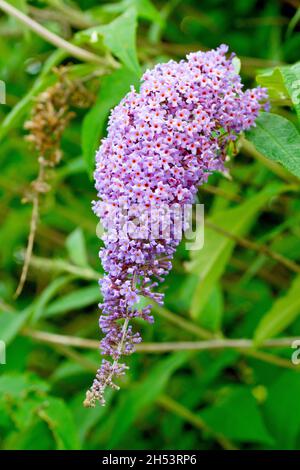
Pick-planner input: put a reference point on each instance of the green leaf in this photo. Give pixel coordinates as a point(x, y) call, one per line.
point(210, 262)
point(31, 404)
point(76, 247)
point(273, 80)
point(19, 385)
point(88, 418)
point(60, 421)
point(283, 83)
point(282, 410)
point(68, 371)
point(278, 139)
point(35, 435)
point(75, 300)
point(291, 77)
point(11, 324)
point(237, 417)
point(39, 307)
point(282, 314)
point(143, 395)
point(113, 88)
point(119, 37)
point(211, 316)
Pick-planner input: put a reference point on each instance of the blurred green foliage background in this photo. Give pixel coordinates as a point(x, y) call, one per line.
point(244, 284)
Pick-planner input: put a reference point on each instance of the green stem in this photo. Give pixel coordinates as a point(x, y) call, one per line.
point(180, 322)
point(59, 265)
point(184, 413)
point(240, 344)
point(250, 245)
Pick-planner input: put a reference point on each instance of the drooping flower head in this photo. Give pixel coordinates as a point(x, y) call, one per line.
point(163, 142)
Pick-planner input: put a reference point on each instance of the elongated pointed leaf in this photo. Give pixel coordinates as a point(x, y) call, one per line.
point(210, 262)
point(282, 401)
point(77, 248)
point(237, 416)
point(60, 421)
point(282, 314)
point(11, 324)
point(39, 309)
point(144, 394)
point(77, 299)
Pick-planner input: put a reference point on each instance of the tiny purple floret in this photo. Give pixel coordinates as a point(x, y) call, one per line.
point(163, 142)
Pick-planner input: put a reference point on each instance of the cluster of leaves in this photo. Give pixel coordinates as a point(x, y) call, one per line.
point(243, 284)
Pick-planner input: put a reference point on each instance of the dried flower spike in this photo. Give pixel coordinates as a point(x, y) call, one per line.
point(162, 143)
point(50, 116)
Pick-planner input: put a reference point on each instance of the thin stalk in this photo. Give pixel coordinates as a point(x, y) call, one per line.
point(272, 278)
point(108, 381)
point(263, 249)
point(29, 248)
point(180, 322)
point(270, 358)
point(39, 182)
point(68, 352)
point(60, 265)
point(76, 17)
point(220, 192)
point(213, 344)
point(171, 405)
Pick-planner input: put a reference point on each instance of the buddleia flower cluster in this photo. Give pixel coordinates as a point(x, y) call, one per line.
point(163, 142)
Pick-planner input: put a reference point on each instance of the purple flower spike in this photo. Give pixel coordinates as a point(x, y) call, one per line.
point(162, 143)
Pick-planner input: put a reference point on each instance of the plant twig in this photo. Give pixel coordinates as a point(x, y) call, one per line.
point(6, 307)
point(39, 183)
point(273, 278)
point(171, 405)
point(60, 265)
point(211, 344)
point(70, 353)
point(74, 17)
point(29, 248)
point(220, 192)
point(54, 39)
point(270, 358)
point(180, 322)
point(245, 243)
point(244, 346)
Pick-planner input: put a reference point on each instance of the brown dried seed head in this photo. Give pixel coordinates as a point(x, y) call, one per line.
point(51, 114)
